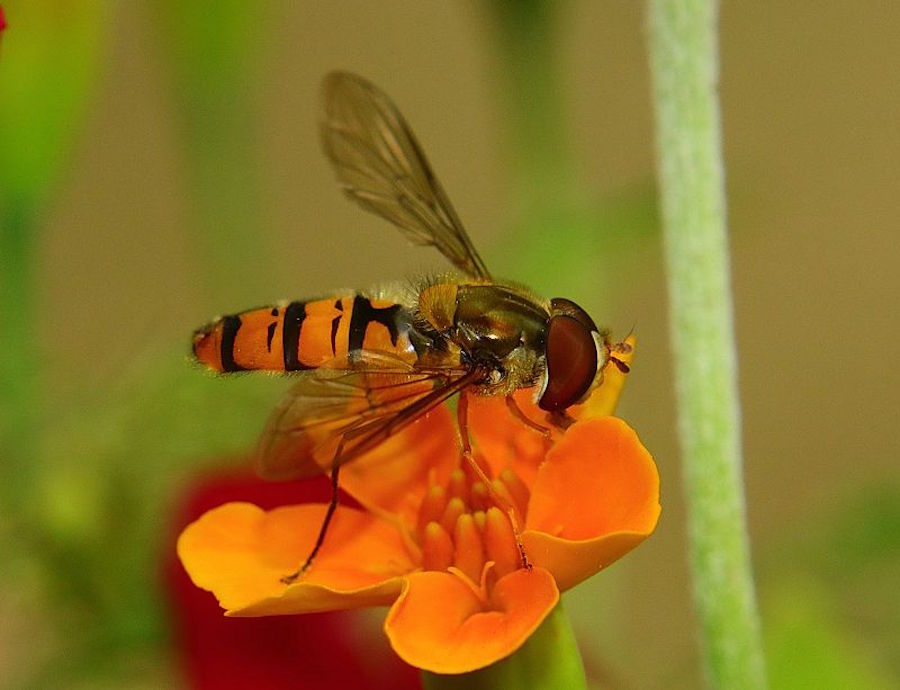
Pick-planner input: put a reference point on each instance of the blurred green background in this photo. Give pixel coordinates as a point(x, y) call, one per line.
point(159, 164)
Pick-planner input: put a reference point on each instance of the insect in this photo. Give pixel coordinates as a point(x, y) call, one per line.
point(370, 364)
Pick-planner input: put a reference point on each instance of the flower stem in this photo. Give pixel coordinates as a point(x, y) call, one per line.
point(549, 659)
point(684, 65)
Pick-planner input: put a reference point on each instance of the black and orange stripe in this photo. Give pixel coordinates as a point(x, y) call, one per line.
point(303, 335)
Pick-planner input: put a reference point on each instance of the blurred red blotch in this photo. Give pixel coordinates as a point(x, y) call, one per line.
point(298, 652)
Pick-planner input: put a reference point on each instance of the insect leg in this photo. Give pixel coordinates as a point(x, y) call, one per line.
point(332, 506)
point(561, 419)
point(530, 423)
point(462, 422)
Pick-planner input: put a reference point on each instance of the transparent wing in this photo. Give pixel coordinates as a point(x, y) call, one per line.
point(381, 166)
point(336, 413)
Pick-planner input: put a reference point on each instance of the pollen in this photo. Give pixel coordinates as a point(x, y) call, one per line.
point(466, 522)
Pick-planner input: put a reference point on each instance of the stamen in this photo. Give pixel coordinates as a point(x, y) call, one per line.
point(468, 522)
point(469, 553)
point(479, 496)
point(479, 517)
point(437, 548)
point(455, 508)
point(432, 507)
point(458, 485)
point(500, 542)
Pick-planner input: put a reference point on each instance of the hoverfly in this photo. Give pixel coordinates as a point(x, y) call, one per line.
point(370, 364)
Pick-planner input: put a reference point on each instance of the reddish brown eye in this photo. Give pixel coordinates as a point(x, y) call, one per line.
point(561, 305)
point(571, 363)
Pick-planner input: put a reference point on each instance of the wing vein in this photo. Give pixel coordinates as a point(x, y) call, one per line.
point(380, 165)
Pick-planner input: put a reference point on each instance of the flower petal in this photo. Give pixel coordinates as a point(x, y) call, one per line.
point(595, 498)
point(603, 400)
point(240, 553)
point(572, 562)
point(298, 652)
point(504, 441)
point(392, 479)
point(440, 624)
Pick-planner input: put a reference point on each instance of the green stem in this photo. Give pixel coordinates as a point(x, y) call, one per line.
point(549, 659)
point(684, 65)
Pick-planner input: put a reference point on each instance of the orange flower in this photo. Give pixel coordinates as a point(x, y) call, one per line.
point(430, 540)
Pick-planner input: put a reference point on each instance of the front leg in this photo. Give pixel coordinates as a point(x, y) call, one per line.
point(516, 411)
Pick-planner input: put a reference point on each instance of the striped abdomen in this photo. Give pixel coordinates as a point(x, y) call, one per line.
point(303, 335)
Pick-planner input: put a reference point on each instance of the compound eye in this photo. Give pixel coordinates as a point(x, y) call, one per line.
point(561, 305)
point(571, 363)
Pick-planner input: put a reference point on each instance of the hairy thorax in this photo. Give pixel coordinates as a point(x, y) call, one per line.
point(498, 328)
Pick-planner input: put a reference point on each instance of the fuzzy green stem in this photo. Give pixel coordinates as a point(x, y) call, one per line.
point(684, 65)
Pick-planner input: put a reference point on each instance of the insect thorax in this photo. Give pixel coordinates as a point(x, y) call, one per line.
point(496, 327)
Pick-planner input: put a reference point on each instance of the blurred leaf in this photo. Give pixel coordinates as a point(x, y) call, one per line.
point(215, 49)
point(162, 420)
point(531, 94)
point(849, 561)
point(868, 530)
point(584, 238)
point(214, 46)
point(51, 52)
point(49, 60)
point(807, 647)
point(103, 502)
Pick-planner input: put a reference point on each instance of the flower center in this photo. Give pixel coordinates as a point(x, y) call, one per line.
point(465, 523)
